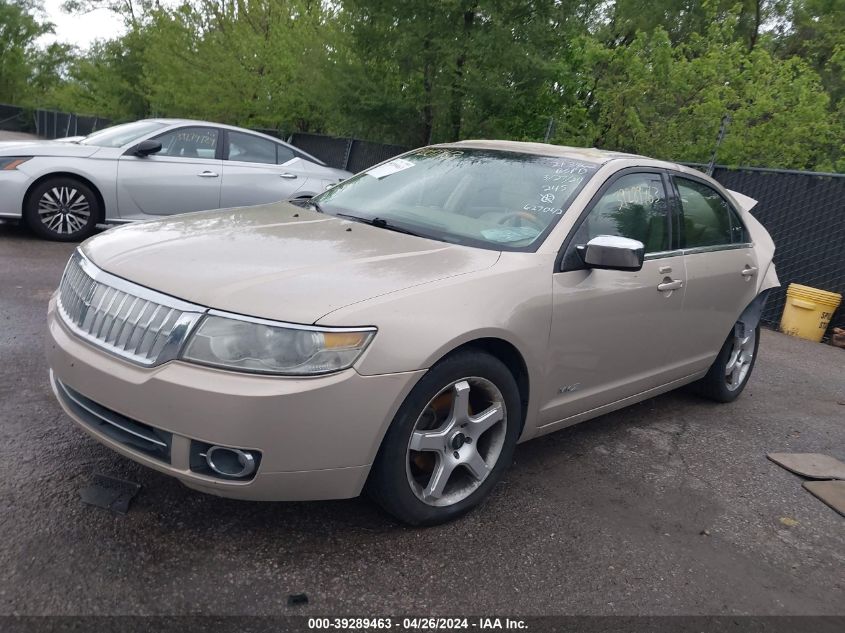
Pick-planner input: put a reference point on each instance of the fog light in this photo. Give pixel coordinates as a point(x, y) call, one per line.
point(230, 462)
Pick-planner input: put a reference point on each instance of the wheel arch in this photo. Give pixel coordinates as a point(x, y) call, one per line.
point(510, 356)
point(750, 317)
point(65, 174)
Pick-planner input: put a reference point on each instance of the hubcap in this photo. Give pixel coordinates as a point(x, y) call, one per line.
point(739, 362)
point(452, 450)
point(64, 210)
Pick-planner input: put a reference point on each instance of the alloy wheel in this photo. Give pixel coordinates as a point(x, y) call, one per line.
point(739, 361)
point(64, 210)
point(456, 441)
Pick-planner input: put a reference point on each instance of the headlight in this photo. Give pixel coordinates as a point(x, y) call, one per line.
point(267, 348)
point(7, 163)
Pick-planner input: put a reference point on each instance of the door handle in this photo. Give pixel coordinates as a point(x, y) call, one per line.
point(286, 175)
point(207, 174)
point(749, 271)
point(674, 284)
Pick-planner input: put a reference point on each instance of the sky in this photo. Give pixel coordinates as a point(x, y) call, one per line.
point(80, 30)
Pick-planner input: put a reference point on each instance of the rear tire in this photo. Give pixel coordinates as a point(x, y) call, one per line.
point(450, 441)
point(729, 373)
point(62, 209)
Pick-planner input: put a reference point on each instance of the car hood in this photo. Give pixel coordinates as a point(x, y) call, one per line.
point(46, 148)
point(276, 261)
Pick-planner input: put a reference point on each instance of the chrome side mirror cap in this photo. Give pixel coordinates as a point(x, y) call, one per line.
point(610, 252)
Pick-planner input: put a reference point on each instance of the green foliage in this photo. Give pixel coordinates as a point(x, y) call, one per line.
point(20, 63)
point(249, 62)
point(648, 76)
point(667, 101)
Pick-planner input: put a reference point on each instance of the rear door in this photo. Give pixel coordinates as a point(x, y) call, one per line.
point(254, 171)
point(614, 333)
point(721, 268)
point(184, 176)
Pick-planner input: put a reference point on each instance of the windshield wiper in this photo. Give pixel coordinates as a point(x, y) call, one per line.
point(380, 223)
point(316, 206)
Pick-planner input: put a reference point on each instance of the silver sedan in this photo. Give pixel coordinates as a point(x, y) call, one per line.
point(147, 169)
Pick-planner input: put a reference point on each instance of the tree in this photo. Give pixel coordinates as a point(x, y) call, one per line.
point(253, 62)
point(20, 27)
point(667, 101)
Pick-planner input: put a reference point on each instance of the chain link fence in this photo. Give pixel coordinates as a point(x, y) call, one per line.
point(48, 124)
point(345, 153)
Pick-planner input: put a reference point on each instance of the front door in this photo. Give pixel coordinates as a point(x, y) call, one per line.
point(614, 333)
point(184, 176)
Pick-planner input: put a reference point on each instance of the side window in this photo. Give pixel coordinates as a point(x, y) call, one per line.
point(189, 142)
point(283, 154)
point(738, 233)
point(634, 207)
point(251, 149)
point(706, 217)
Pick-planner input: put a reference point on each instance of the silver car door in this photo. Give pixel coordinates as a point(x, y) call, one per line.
point(184, 176)
point(254, 173)
point(612, 331)
point(721, 264)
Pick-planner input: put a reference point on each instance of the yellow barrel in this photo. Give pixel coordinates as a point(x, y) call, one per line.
point(808, 311)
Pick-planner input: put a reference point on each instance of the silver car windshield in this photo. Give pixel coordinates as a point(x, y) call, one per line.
point(490, 199)
point(120, 135)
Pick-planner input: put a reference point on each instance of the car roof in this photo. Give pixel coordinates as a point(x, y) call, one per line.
point(212, 123)
point(585, 154)
point(238, 129)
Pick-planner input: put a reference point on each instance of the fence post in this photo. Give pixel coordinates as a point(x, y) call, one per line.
point(349, 143)
point(550, 129)
point(722, 129)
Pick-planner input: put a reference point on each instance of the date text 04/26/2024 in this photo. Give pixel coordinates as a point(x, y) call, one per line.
point(416, 624)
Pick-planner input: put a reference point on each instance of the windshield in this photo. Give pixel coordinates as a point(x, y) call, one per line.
point(486, 198)
point(120, 135)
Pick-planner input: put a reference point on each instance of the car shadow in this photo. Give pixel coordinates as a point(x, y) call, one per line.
point(167, 506)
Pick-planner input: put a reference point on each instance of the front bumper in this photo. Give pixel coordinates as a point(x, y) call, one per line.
point(317, 436)
point(13, 186)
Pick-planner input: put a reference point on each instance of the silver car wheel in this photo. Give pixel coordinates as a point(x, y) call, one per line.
point(739, 362)
point(452, 450)
point(64, 210)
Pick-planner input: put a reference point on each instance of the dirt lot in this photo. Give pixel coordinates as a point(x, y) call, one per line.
point(669, 507)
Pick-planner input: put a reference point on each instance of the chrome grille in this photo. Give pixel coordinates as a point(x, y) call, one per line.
point(130, 321)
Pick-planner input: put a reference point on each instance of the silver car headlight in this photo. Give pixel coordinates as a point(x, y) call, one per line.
point(265, 347)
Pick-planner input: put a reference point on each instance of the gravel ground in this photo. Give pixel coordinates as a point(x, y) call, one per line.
point(668, 507)
point(5, 135)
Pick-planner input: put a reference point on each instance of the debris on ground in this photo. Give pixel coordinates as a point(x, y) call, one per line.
point(110, 493)
point(297, 599)
point(831, 493)
point(810, 465)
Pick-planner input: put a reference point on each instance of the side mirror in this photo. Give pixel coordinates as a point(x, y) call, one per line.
point(610, 252)
point(145, 148)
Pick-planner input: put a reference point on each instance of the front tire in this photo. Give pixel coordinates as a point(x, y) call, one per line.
point(732, 368)
point(450, 441)
point(62, 209)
